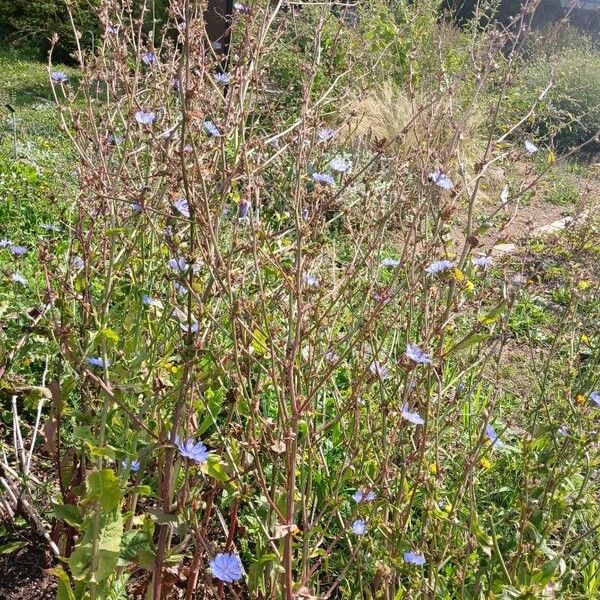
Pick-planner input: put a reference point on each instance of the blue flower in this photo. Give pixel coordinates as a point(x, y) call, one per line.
point(323, 178)
point(131, 465)
point(331, 356)
point(5, 243)
point(114, 140)
point(145, 118)
point(181, 289)
point(362, 496)
point(59, 77)
point(595, 398)
point(310, 279)
point(183, 207)
point(530, 147)
point(97, 362)
point(441, 180)
point(241, 7)
point(493, 436)
point(195, 451)
point(417, 355)
point(149, 301)
point(340, 164)
point(390, 262)
point(216, 45)
point(222, 78)
point(412, 417)
point(192, 328)
point(51, 227)
point(412, 558)
point(18, 250)
point(326, 133)
point(135, 207)
point(439, 266)
point(179, 264)
point(244, 210)
point(227, 567)
point(359, 527)
point(109, 29)
point(77, 262)
point(148, 58)
point(482, 261)
point(211, 128)
point(379, 370)
point(18, 278)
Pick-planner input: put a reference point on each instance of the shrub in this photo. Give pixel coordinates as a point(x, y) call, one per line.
point(34, 23)
point(365, 52)
point(569, 114)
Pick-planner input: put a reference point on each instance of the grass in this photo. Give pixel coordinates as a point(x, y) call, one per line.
point(24, 85)
point(36, 187)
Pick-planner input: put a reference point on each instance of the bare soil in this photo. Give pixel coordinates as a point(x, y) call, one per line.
point(24, 573)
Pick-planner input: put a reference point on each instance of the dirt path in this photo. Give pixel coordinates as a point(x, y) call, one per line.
point(517, 222)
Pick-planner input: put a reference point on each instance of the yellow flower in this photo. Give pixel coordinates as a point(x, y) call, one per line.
point(458, 274)
point(585, 339)
point(584, 284)
point(433, 469)
point(485, 463)
point(580, 399)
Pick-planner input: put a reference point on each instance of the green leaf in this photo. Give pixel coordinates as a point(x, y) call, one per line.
point(109, 543)
point(549, 569)
point(495, 314)
point(137, 546)
point(483, 228)
point(68, 513)
point(110, 335)
point(63, 590)
point(470, 340)
point(162, 518)
point(115, 231)
point(174, 559)
point(106, 452)
point(259, 342)
point(115, 588)
point(213, 408)
point(84, 433)
point(11, 547)
point(79, 561)
point(142, 490)
point(215, 468)
point(257, 571)
point(146, 560)
point(103, 487)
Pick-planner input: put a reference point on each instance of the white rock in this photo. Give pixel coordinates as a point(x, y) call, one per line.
point(502, 249)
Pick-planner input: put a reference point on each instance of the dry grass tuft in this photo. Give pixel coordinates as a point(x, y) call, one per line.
point(384, 113)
